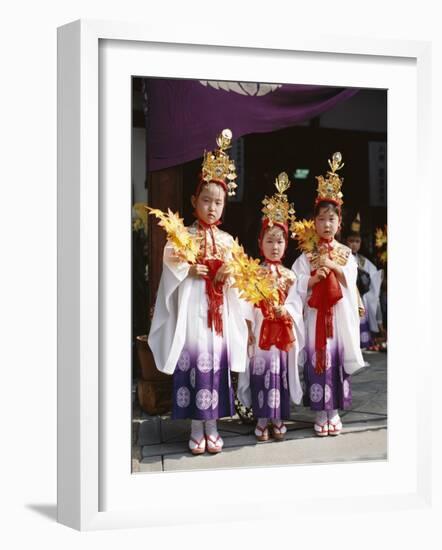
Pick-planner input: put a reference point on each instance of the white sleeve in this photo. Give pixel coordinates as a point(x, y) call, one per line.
point(302, 270)
point(348, 318)
point(168, 328)
point(237, 332)
point(294, 307)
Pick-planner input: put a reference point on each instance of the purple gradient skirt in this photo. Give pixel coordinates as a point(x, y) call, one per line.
point(331, 389)
point(202, 386)
point(269, 384)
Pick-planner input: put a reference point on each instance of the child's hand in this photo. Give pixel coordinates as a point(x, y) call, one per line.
point(322, 273)
point(221, 274)
point(325, 261)
point(176, 257)
point(198, 270)
point(280, 311)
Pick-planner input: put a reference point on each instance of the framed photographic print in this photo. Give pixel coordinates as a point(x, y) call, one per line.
point(138, 118)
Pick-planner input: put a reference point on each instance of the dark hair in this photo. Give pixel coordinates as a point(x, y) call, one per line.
point(327, 205)
point(202, 184)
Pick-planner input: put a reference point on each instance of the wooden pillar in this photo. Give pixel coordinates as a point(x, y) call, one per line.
point(165, 190)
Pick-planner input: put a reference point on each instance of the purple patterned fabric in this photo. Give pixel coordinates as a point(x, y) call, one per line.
point(364, 328)
point(269, 385)
point(201, 385)
point(185, 116)
point(331, 389)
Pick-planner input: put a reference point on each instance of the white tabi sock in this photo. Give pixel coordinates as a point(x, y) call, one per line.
point(197, 429)
point(333, 414)
point(321, 417)
point(211, 429)
point(262, 422)
point(214, 440)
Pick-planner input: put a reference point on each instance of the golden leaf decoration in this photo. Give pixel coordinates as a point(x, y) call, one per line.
point(177, 234)
point(253, 281)
point(139, 217)
point(305, 233)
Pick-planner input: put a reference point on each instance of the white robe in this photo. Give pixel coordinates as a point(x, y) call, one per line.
point(371, 298)
point(180, 318)
point(293, 304)
point(345, 313)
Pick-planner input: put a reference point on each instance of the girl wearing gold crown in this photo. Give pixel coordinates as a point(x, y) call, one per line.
point(276, 327)
point(198, 331)
point(326, 272)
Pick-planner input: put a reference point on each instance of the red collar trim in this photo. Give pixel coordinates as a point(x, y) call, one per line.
point(205, 225)
point(326, 241)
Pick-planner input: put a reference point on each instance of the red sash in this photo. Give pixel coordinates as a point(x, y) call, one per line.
point(215, 296)
point(325, 295)
point(214, 291)
point(275, 331)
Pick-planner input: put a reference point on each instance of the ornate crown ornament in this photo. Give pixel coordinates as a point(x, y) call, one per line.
point(218, 166)
point(381, 243)
point(356, 224)
point(277, 209)
point(329, 188)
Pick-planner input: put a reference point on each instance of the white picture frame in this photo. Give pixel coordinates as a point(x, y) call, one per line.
point(95, 487)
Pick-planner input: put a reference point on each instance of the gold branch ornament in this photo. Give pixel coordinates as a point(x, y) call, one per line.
point(253, 281)
point(305, 233)
point(381, 243)
point(277, 208)
point(177, 234)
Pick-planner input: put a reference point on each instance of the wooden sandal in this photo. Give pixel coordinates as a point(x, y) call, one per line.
point(334, 428)
point(279, 432)
point(321, 430)
point(264, 435)
point(214, 445)
point(200, 447)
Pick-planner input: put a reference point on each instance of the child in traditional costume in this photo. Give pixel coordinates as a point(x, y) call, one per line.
point(369, 285)
point(198, 330)
point(276, 327)
point(326, 273)
point(381, 253)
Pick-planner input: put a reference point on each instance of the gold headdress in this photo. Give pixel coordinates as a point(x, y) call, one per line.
point(329, 188)
point(218, 166)
point(381, 243)
point(277, 209)
point(356, 224)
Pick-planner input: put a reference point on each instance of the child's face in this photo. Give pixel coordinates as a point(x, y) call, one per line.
point(326, 223)
point(354, 243)
point(210, 203)
point(273, 244)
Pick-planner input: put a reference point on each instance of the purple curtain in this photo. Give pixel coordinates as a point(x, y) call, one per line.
point(185, 116)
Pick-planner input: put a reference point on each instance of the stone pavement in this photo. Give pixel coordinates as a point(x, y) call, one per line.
point(160, 444)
